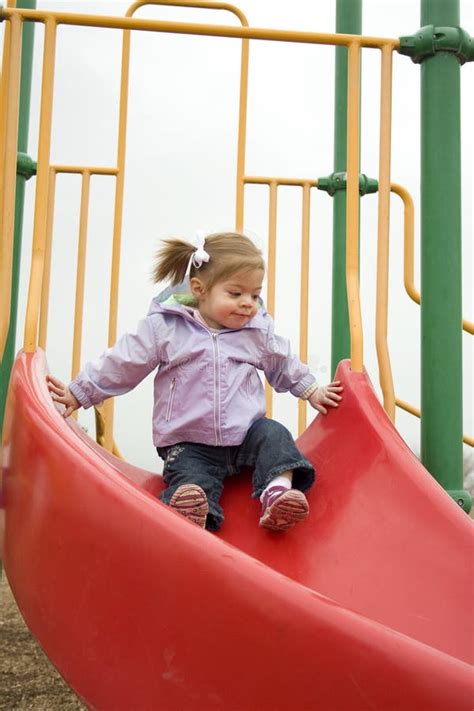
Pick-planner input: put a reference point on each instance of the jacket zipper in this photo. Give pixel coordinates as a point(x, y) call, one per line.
point(170, 399)
point(217, 390)
point(217, 386)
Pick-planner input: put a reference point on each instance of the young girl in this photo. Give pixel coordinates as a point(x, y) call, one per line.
point(207, 338)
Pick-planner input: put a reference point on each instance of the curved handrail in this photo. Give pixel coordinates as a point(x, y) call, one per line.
point(413, 293)
point(409, 249)
point(381, 319)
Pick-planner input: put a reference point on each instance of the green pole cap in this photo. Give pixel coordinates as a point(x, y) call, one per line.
point(338, 181)
point(25, 165)
point(430, 39)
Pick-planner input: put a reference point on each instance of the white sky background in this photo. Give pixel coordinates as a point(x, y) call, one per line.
point(181, 162)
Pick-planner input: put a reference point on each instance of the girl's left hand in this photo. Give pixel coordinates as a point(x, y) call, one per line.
point(326, 395)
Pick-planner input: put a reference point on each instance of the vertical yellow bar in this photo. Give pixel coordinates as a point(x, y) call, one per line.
point(272, 230)
point(304, 295)
point(5, 76)
point(408, 241)
point(42, 185)
point(244, 70)
point(352, 224)
point(80, 274)
point(381, 312)
point(271, 272)
point(4, 82)
point(119, 189)
point(43, 326)
point(10, 102)
point(108, 407)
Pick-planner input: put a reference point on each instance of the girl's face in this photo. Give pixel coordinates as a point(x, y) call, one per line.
point(230, 303)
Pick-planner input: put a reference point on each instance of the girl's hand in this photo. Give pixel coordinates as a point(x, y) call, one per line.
point(326, 395)
point(61, 393)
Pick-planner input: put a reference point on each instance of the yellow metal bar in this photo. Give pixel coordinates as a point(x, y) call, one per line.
point(189, 4)
point(107, 411)
point(304, 295)
point(407, 407)
point(263, 180)
point(42, 185)
point(242, 137)
point(5, 68)
point(244, 63)
point(271, 272)
point(381, 311)
point(43, 325)
point(352, 224)
point(409, 250)
point(10, 102)
point(54, 171)
point(100, 427)
point(408, 241)
point(79, 169)
point(80, 274)
point(306, 184)
point(417, 413)
point(4, 78)
point(272, 230)
point(189, 28)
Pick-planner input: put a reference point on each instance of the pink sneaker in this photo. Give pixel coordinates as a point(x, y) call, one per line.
point(190, 501)
point(282, 508)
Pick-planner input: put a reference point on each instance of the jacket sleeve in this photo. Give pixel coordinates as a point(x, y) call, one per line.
point(120, 368)
point(283, 370)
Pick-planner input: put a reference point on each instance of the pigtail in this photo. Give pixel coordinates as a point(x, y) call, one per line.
point(227, 253)
point(172, 261)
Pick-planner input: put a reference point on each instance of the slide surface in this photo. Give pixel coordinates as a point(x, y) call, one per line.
point(365, 606)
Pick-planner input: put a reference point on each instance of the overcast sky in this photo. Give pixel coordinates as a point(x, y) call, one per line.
point(181, 164)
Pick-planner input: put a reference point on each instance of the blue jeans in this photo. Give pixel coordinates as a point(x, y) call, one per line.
point(268, 448)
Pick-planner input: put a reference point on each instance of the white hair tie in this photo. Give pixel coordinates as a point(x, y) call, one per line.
point(200, 255)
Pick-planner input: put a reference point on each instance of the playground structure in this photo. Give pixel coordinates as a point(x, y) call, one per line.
point(395, 612)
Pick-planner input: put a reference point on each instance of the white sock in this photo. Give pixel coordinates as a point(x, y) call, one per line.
point(277, 481)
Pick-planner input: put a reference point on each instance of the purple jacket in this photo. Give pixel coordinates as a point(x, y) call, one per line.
point(207, 388)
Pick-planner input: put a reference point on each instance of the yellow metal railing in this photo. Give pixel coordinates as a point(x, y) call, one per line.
point(381, 313)
point(9, 117)
point(305, 185)
point(409, 250)
point(414, 294)
point(86, 173)
point(42, 187)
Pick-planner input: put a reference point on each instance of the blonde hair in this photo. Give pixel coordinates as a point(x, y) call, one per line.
point(229, 252)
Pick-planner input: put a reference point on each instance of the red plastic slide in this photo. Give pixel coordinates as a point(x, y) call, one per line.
point(366, 606)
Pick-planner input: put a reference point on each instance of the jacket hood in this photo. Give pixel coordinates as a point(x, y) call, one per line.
point(179, 300)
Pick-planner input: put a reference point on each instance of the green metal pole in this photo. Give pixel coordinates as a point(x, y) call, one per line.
point(25, 170)
point(348, 20)
point(441, 298)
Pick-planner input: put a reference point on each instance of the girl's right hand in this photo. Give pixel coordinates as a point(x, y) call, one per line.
point(61, 393)
point(326, 395)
